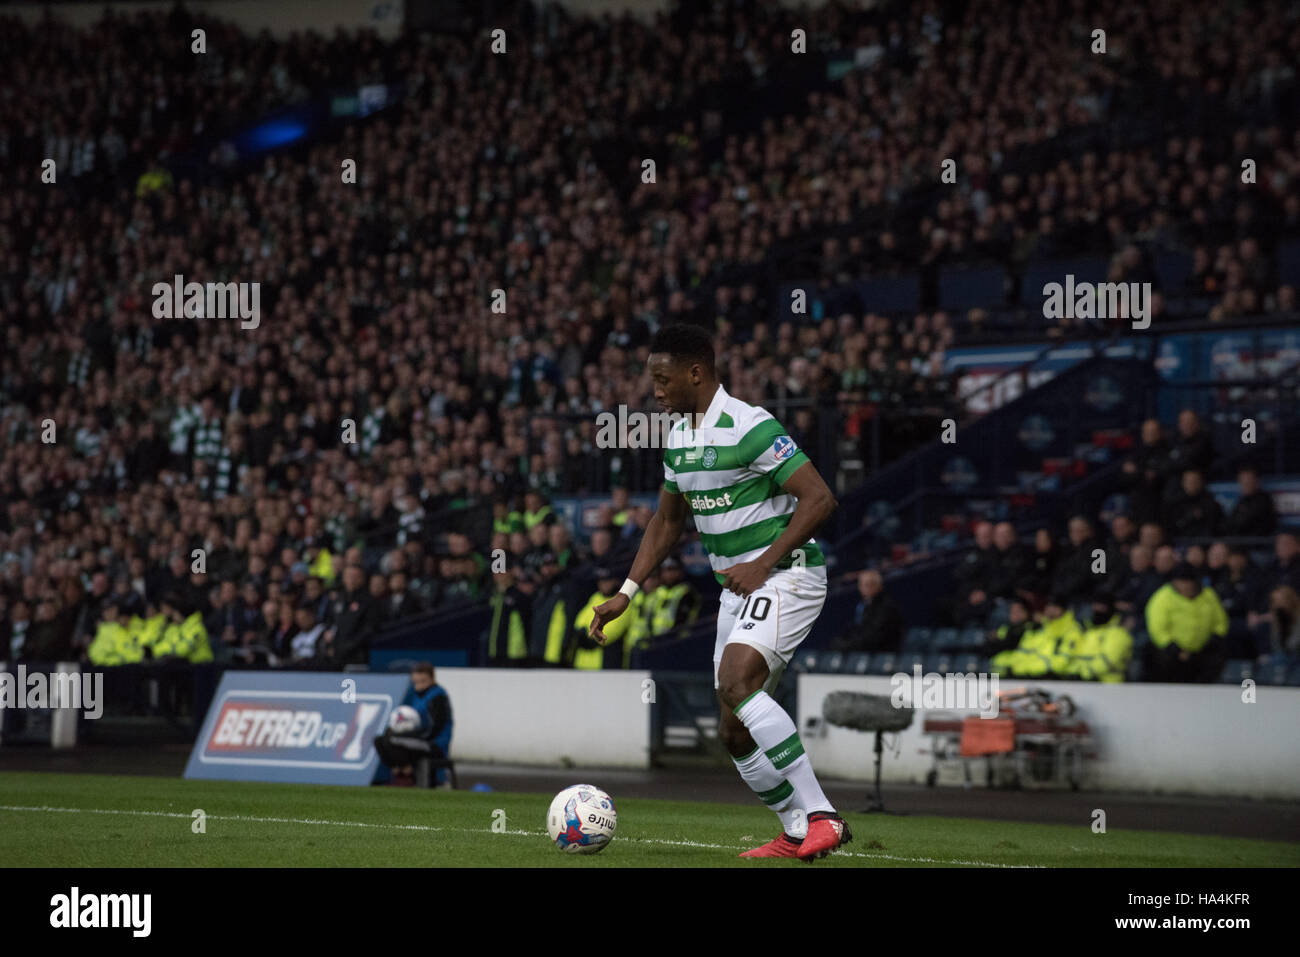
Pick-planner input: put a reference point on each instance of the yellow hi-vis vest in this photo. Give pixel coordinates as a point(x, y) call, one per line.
point(557, 632)
point(146, 631)
point(662, 607)
point(593, 659)
point(516, 639)
point(1188, 623)
point(187, 640)
point(322, 566)
point(1038, 648)
point(112, 645)
point(1101, 653)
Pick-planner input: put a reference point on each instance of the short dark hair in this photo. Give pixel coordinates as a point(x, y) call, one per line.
point(422, 668)
point(685, 342)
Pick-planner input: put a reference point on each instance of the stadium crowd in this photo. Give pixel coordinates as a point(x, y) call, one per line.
point(181, 435)
point(1169, 564)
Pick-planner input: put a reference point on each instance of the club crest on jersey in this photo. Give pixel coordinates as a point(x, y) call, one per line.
point(783, 447)
point(710, 457)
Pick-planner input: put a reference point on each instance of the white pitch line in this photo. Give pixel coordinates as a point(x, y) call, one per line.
point(47, 809)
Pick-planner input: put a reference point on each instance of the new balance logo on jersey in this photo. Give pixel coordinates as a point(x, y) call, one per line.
point(703, 502)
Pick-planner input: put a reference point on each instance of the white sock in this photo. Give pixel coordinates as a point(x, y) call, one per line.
point(773, 790)
point(774, 732)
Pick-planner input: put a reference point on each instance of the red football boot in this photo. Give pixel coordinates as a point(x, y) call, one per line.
point(826, 832)
point(783, 846)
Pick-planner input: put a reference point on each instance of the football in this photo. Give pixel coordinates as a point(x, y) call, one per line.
point(582, 819)
point(404, 719)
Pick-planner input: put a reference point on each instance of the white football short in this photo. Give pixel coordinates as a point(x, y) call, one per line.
point(774, 619)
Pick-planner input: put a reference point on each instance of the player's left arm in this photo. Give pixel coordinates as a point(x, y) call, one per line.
point(814, 504)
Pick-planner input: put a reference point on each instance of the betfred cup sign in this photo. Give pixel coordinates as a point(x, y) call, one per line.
point(300, 728)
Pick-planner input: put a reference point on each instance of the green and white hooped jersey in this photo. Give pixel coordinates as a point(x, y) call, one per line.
point(730, 470)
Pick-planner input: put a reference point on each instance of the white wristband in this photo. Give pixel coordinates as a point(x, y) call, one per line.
point(630, 588)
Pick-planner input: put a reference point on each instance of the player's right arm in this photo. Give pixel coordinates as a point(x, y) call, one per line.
point(661, 534)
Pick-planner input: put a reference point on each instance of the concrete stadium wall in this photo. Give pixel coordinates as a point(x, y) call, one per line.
point(1188, 739)
point(549, 718)
point(280, 17)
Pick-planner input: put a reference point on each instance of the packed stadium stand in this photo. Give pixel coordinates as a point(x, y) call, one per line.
point(403, 454)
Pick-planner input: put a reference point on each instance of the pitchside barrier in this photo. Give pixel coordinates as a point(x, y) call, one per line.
point(1167, 738)
point(313, 727)
point(44, 702)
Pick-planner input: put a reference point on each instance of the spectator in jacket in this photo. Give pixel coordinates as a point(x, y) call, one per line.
point(1285, 569)
point(877, 621)
point(1042, 567)
point(1139, 583)
point(1074, 579)
point(1254, 513)
point(1144, 473)
point(973, 575)
point(1188, 628)
point(1284, 621)
point(355, 619)
point(1009, 563)
point(1192, 512)
point(1191, 449)
point(1239, 583)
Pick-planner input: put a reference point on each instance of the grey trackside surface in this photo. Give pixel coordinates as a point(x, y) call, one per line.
point(702, 779)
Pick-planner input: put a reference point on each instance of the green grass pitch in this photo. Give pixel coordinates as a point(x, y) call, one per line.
point(69, 820)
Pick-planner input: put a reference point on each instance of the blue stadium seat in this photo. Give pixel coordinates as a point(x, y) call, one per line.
point(916, 639)
point(940, 664)
point(1288, 262)
point(890, 293)
point(1293, 677)
point(882, 663)
point(909, 660)
point(1039, 274)
point(967, 288)
point(831, 663)
point(1174, 269)
point(944, 639)
point(972, 638)
point(968, 663)
point(1275, 671)
point(1237, 670)
point(857, 663)
point(805, 661)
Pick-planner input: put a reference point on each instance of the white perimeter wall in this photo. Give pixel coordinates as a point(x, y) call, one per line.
point(1192, 739)
point(551, 718)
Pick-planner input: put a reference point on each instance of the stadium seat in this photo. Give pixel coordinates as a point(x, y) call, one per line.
point(971, 639)
point(1237, 670)
point(968, 662)
point(1293, 677)
point(1288, 262)
point(938, 664)
point(890, 293)
point(857, 663)
point(1174, 269)
point(907, 661)
point(944, 639)
point(1275, 671)
point(1039, 274)
point(971, 287)
point(882, 663)
point(831, 663)
point(916, 639)
point(805, 661)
